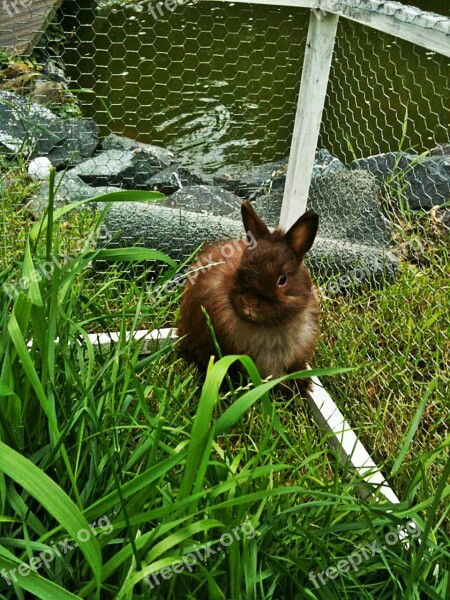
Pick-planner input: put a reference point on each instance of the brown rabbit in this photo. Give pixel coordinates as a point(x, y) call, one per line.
point(259, 296)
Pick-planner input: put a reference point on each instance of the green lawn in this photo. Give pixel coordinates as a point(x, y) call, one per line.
point(170, 466)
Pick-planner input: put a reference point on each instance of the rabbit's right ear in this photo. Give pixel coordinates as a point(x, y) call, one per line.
point(252, 222)
point(301, 235)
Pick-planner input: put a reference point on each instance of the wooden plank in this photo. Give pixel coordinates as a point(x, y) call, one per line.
point(311, 100)
point(341, 436)
point(429, 30)
point(324, 410)
point(149, 339)
point(292, 3)
point(22, 23)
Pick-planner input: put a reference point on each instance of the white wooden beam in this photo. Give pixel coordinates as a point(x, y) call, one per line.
point(149, 339)
point(311, 100)
point(429, 30)
point(341, 436)
point(293, 3)
point(324, 410)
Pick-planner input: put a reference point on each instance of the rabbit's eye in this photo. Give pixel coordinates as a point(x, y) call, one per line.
point(282, 280)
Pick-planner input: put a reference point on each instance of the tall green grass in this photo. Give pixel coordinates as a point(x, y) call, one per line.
point(174, 462)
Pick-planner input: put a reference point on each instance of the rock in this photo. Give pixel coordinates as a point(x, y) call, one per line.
point(129, 169)
point(424, 181)
point(349, 205)
point(272, 176)
point(382, 165)
point(53, 68)
point(350, 208)
point(20, 122)
point(255, 181)
point(30, 128)
point(70, 188)
point(179, 233)
point(325, 164)
point(204, 199)
point(441, 150)
point(39, 168)
point(48, 92)
point(170, 180)
point(176, 232)
point(70, 141)
point(160, 156)
point(268, 208)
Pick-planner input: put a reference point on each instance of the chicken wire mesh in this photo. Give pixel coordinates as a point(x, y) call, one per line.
point(214, 85)
point(387, 112)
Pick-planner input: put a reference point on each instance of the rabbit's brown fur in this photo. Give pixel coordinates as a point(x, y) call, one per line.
point(259, 297)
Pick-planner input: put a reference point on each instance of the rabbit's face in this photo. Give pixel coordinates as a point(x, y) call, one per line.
point(271, 286)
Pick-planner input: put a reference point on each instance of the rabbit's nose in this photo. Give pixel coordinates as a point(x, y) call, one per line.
point(249, 309)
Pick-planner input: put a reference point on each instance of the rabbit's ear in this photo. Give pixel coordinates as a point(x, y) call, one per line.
point(252, 222)
point(301, 235)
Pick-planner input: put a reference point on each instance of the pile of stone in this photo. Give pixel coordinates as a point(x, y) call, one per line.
point(354, 231)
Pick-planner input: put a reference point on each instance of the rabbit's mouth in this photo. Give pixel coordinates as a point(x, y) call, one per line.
point(249, 312)
point(249, 316)
point(256, 312)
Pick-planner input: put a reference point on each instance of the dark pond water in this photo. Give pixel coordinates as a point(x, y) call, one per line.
point(218, 83)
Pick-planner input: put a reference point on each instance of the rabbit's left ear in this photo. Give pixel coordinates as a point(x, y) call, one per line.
point(301, 235)
point(252, 222)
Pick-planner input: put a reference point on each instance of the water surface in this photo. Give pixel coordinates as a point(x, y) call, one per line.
point(218, 83)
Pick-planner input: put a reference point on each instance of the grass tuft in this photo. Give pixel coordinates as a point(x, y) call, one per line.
point(157, 464)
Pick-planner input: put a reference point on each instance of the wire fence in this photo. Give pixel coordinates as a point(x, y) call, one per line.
point(216, 83)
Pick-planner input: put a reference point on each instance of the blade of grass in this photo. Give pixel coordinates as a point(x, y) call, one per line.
point(54, 500)
point(413, 426)
point(35, 583)
point(125, 196)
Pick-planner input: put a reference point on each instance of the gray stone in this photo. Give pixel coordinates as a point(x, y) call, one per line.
point(129, 169)
point(349, 205)
point(69, 142)
point(54, 69)
point(175, 232)
point(384, 165)
point(325, 164)
point(441, 150)
point(35, 130)
point(204, 199)
point(174, 178)
point(69, 188)
point(350, 208)
point(420, 181)
point(160, 156)
point(251, 183)
point(21, 122)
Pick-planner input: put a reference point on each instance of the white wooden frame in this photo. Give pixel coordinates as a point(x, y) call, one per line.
point(310, 104)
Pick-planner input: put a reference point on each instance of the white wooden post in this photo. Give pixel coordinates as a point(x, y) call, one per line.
point(325, 411)
point(311, 100)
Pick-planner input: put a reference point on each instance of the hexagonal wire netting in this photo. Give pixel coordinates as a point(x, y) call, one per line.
point(217, 84)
